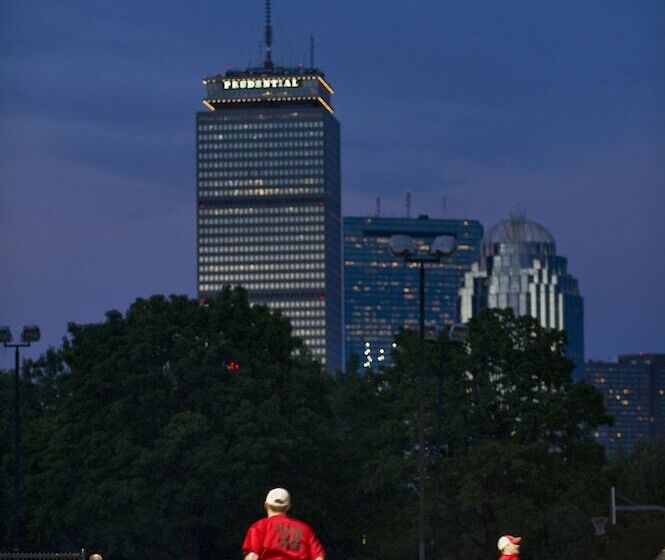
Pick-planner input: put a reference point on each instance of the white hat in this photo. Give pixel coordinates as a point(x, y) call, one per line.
point(506, 540)
point(278, 497)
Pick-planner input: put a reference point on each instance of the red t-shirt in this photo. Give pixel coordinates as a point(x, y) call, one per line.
point(282, 538)
point(509, 557)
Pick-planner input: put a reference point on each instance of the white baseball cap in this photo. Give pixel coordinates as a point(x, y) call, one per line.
point(278, 497)
point(506, 540)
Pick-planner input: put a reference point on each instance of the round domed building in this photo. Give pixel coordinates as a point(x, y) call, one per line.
point(519, 268)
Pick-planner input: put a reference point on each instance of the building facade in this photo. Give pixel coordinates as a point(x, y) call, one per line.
point(268, 198)
point(656, 364)
point(633, 390)
point(381, 292)
point(519, 269)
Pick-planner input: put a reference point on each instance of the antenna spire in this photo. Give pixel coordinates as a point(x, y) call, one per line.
point(268, 61)
point(408, 203)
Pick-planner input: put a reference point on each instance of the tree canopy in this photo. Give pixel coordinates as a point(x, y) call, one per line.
point(509, 443)
point(159, 430)
point(145, 441)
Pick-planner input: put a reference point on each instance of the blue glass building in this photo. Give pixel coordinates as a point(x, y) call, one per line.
point(519, 269)
point(268, 197)
point(656, 365)
point(381, 292)
point(634, 395)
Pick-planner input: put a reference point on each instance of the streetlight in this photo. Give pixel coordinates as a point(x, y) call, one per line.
point(29, 335)
point(402, 246)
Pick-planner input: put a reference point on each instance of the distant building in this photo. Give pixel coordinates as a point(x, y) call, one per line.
point(381, 291)
point(633, 390)
point(268, 196)
point(656, 364)
point(519, 269)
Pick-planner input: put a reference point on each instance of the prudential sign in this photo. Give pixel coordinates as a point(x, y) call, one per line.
point(261, 83)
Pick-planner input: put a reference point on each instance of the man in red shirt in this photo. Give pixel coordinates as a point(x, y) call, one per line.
point(509, 547)
point(278, 537)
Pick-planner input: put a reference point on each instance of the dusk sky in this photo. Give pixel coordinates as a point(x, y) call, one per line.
point(551, 109)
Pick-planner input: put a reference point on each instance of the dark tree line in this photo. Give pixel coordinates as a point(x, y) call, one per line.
point(142, 438)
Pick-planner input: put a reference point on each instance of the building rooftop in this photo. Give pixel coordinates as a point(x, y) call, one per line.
point(517, 229)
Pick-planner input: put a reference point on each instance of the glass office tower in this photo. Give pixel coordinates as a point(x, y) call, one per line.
point(381, 291)
point(656, 365)
point(268, 194)
point(519, 268)
point(628, 394)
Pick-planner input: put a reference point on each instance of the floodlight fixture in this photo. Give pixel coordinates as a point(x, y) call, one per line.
point(5, 335)
point(402, 246)
point(31, 333)
point(442, 246)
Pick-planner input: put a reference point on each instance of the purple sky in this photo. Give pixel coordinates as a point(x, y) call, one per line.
point(554, 109)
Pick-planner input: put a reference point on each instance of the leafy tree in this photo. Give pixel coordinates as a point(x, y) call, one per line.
point(141, 439)
point(6, 461)
point(379, 493)
point(639, 476)
point(522, 457)
point(148, 443)
point(508, 445)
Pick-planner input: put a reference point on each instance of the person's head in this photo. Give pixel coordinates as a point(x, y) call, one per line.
point(96, 557)
point(277, 501)
point(509, 544)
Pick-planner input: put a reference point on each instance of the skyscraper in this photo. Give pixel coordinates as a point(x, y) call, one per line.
point(519, 268)
point(633, 390)
point(381, 292)
point(656, 365)
point(268, 196)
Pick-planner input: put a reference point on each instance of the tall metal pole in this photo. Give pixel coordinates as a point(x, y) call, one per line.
point(403, 246)
point(17, 454)
point(421, 421)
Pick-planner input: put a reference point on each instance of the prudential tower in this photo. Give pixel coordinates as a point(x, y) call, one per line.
point(268, 195)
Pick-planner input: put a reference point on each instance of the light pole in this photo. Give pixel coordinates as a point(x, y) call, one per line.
point(29, 335)
point(402, 246)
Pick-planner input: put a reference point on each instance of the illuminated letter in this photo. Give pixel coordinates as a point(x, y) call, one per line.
point(227, 84)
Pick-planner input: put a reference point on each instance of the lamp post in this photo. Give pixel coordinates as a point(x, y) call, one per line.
point(29, 335)
point(402, 246)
